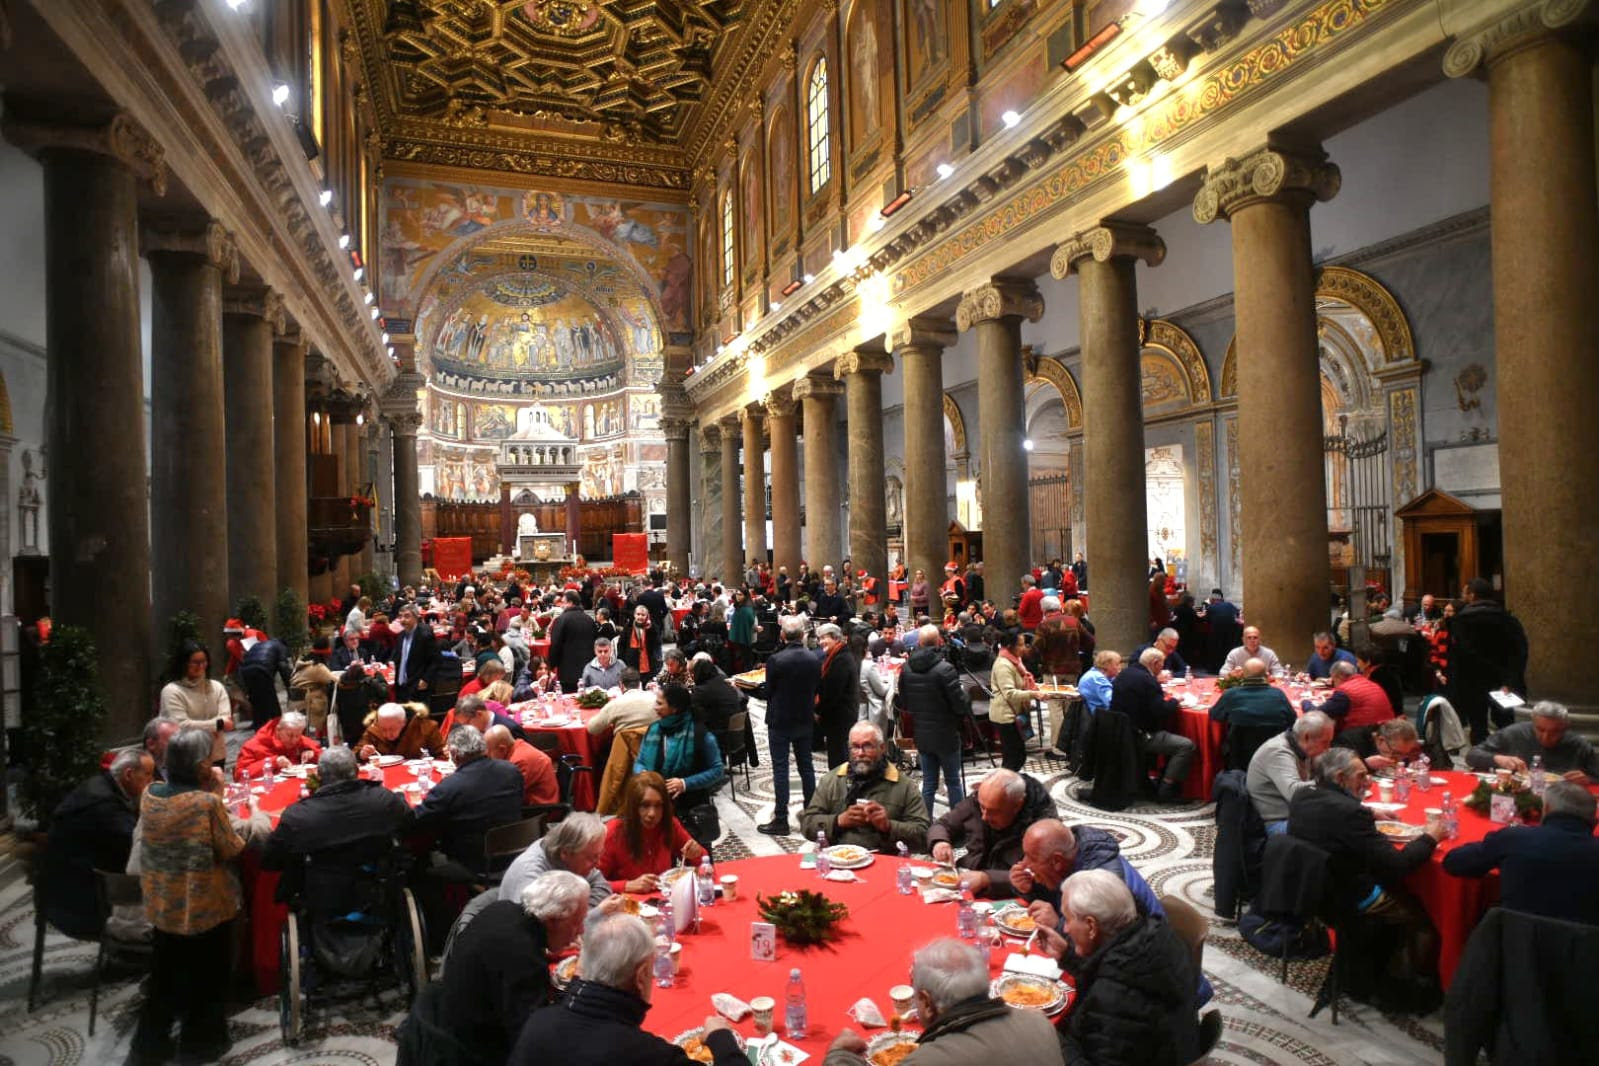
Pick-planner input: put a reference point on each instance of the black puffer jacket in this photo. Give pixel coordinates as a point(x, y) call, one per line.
point(930, 688)
point(1135, 1001)
point(994, 851)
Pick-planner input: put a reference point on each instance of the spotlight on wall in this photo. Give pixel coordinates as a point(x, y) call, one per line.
point(236, 4)
point(945, 170)
point(809, 278)
point(898, 202)
point(385, 338)
point(360, 272)
point(360, 418)
point(776, 307)
point(1010, 119)
point(344, 241)
point(369, 296)
point(280, 93)
point(1092, 45)
point(326, 198)
point(1027, 445)
point(375, 314)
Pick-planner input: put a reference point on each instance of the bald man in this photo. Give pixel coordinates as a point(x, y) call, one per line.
point(990, 823)
point(538, 772)
point(1052, 851)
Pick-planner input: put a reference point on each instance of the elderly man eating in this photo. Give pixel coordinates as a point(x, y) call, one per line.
point(1251, 648)
point(1281, 767)
point(866, 801)
point(403, 731)
point(282, 743)
point(573, 844)
point(990, 822)
point(1052, 851)
point(1357, 701)
point(1546, 736)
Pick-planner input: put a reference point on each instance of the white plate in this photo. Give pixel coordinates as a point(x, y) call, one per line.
point(884, 1041)
point(1378, 805)
point(390, 760)
point(922, 873)
point(865, 858)
point(1439, 780)
point(1057, 989)
point(682, 1039)
point(1005, 917)
point(296, 771)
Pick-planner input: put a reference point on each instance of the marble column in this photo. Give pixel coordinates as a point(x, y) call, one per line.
point(249, 320)
point(1103, 258)
point(188, 465)
point(862, 372)
point(995, 311)
point(818, 395)
point(407, 492)
point(288, 436)
point(343, 422)
point(574, 514)
point(369, 451)
point(1267, 196)
point(782, 424)
point(732, 561)
point(710, 499)
point(679, 513)
point(1545, 234)
point(355, 453)
point(920, 345)
point(754, 463)
point(98, 510)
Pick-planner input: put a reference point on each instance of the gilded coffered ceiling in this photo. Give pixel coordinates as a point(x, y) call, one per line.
point(607, 90)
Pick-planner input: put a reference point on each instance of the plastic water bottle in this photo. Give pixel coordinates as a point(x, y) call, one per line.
point(794, 1013)
point(1188, 675)
point(1402, 783)
point(966, 918)
point(1537, 775)
point(668, 926)
point(426, 756)
point(824, 865)
point(903, 877)
point(663, 964)
point(1451, 817)
point(1423, 771)
point(705, 882)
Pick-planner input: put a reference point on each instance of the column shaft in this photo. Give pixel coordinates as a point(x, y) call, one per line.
point(98, 510)
point(574, 514)
point(1546, 329)
point(288, 435)
point(369, 446)
point(785, 486)
point(1114, 505)
point(868, 514)
point(754, 487)
point(1002, 423)
point(926, 486)
point(679, 512)
point(407, 501)
point(252, 487)
point(188, 469)
point(341, 452)
point(822, 538)
point(732, 534)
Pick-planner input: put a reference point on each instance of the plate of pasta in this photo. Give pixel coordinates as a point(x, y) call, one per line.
point(1025, 991)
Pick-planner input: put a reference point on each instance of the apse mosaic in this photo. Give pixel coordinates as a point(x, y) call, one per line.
point(517, 326)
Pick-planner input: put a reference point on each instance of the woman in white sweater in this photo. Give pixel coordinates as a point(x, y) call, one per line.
point(196, 700)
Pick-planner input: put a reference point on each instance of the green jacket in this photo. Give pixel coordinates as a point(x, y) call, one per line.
point(907, 815)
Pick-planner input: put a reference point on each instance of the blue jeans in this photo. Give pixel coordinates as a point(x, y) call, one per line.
point(780, 742)
point(951, 765)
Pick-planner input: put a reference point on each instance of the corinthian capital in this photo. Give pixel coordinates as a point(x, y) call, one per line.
point(1267, 174)
point(999, 298)
point(1482, 43)
point(212, 242)
point(674, 428)
point(121, 138)
point(257, 303)
point(856, 361)
point(815, 387)
point(779, 403)
point(1105, 242)
point(923, 332)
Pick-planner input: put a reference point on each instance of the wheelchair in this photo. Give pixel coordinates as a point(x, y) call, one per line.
point(351, 919)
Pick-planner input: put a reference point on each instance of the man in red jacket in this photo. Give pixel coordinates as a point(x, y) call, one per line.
point(1357, 701)
point(1030, 609)
point(282, 741)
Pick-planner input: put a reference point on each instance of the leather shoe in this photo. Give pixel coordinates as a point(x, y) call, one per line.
point(1169, 792)
point(775, 828)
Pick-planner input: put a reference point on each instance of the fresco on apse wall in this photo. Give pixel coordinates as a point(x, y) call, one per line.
point(603, 472)
point(526, 325)
point(421, 219)
point(780, 165)
point(447, 417)
point(643, 411)
point(869, 38)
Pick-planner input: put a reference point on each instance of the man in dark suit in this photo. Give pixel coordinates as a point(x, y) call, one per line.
point(830, 606)
point(1550, 869)
point(793, 675)
point(572, 637)
point(653, 598)
point(482, 793)
point(416, 656)
point(1136, 693)
point(92, 829)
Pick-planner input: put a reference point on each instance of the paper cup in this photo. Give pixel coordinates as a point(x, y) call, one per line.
point(676, 952)
point(903, 998)
point(763, 1007)
point(729, 887)
point(1385, 791)
point(1435, 817)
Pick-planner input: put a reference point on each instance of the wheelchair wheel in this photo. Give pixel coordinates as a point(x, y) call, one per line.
point(291, 994)
point(410, 946)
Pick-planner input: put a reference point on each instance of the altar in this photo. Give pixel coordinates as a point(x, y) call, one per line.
point(538, 457)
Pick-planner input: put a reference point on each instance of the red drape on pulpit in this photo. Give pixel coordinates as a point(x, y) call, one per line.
point(631, 552)
point(452, 556)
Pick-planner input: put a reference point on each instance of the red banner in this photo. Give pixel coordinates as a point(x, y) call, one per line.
point(452, 556)
point(630, 552)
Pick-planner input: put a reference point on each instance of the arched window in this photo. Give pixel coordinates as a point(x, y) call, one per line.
point(816, 116)
point(728, 265)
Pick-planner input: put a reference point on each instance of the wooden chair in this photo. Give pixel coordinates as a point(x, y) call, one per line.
point(734, 751)
point(509, 841)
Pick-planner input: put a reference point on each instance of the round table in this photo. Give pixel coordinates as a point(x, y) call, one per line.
point(871, 954)
point(574, 738)
point(1195, 723)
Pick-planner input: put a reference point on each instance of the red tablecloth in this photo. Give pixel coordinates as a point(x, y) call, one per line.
point(1195, 724)
point(872, 955)
point(540, 647)
point(678, 614)
point(574, 739)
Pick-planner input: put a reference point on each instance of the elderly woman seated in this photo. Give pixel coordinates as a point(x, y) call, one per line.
point(405, 731)
point(647, 839)
point(281, 743)
point(1134, 978)
point(682, 751)
point(573, 844)
point(497, 973)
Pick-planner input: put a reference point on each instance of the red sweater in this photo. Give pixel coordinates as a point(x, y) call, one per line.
point(1030, 611)
point(1368, 703)
point(264, 745)
point(619, 867)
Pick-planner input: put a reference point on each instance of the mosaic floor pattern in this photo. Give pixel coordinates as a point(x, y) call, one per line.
point(1265, 1022)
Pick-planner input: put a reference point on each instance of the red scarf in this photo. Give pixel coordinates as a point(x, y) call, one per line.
point(1027, 678)
point(831, 652)
point(641, 641)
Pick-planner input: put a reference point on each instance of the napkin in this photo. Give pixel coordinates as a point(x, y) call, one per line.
point(841, 875)
point(931, 894)
point(1037, 965)
point(775, 1051)
point(730, 1006)
point(867, 1013)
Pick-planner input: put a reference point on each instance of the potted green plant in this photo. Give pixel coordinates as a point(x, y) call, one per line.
point(289, 621)
point(62, 734)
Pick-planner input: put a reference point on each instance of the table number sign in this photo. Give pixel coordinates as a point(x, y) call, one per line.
point(763, 941)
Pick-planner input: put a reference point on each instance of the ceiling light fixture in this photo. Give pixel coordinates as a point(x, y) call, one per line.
point(1011, 118)
point(375, 314)
point(236, 4)
point(1027, 445)
point(344, 241)
point(369, 296)
point(359, 273)
point(1092, 45)
point(809, 278)
point(945, 170)
point(385, 338)
point(776, 307)
point(280, 94)
point(326, 198)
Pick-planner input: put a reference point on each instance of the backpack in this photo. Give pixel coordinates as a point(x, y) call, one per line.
point(1303, 940)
